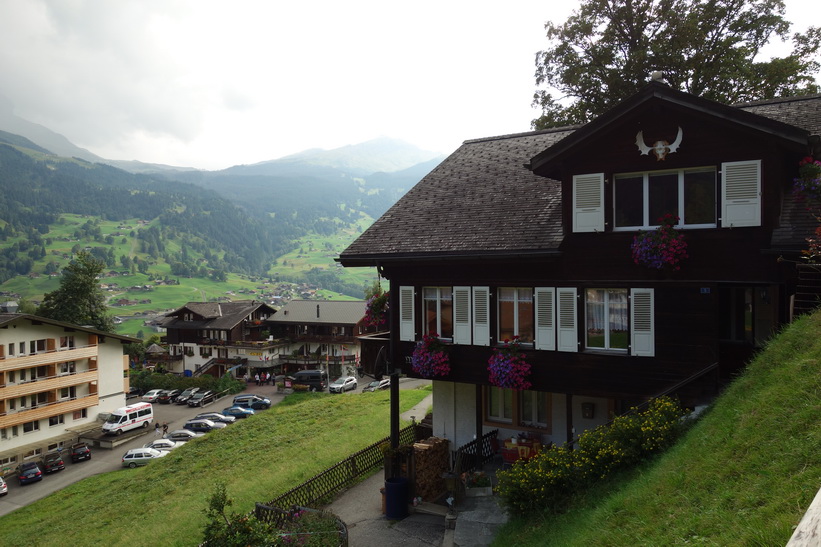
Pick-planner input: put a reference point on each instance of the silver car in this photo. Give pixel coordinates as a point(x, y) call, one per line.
point(141, 456)
point(343, 383)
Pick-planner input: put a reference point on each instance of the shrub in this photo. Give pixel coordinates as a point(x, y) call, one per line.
point(549, 481)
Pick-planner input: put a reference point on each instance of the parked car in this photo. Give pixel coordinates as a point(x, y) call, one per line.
point(53, 462)
point(168, 396)
point(203, 426)
point(216, 417)
point(141, 456)
point(152, 396)
point(183, 397)
point(376, 385)
point(4, 488)
point(201, 398)
point(238, 411)
point(162, 444)
point(80, 452)
point(252, 401)
point(343, 383)
point(183, 435)
point(133, 392)
point(29, 472)
point(316, 380)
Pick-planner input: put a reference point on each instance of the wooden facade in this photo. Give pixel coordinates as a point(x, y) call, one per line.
point(511, 215)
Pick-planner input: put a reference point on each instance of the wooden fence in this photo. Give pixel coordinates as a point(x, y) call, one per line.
point(343, 474)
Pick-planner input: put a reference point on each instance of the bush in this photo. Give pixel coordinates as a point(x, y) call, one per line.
point(549, 481)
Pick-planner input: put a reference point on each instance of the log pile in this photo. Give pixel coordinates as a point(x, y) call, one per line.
point(431, 459)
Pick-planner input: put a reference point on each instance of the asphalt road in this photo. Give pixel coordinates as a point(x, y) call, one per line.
point(104, 460)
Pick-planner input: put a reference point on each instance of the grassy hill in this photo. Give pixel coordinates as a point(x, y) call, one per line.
point(743, 475)
point(257, 459)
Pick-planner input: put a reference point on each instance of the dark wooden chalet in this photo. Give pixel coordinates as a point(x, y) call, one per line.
point(213, 337)
point(530, 235)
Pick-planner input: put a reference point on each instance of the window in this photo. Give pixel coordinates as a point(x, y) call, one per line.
point(66, 342)
point(68, 392)
point(11, 348)
point(516, 314)
point(80, 414)
point(640, 199)
point(31, 426)
point(606, 319)
point(438, 309)
point(11, 376)
point(534, 410)
point(500, 405)
point(55, 420)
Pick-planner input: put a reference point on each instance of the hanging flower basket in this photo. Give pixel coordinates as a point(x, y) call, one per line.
point(661, 248)
point(508, 367)
point(376, 310)
point(430, 358)
point(807, 187)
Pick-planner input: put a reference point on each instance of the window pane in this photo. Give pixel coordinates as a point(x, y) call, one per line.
point(663, 194)
point(507, 306)
point(700, 197)
point(629, 201)
point(525, 316)
point(507, 394)
point(595, 318)
point(617, 318)
point(446, 308)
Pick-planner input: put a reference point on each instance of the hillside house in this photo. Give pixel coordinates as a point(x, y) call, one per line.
point(529, 235)
point(321, 333)
point(55, 379)
point(215, 337)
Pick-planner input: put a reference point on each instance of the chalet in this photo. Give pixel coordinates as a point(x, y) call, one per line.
point(531, 236)
point(321, 333)
point(215, 337)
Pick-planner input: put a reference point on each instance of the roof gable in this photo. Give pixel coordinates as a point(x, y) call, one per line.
point(654, 97)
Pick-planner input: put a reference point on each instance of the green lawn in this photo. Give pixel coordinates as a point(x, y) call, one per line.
point(258, 459)
point(743, 475)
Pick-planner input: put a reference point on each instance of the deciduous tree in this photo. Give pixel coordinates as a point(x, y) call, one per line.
point(79, 299)
point(606, 50)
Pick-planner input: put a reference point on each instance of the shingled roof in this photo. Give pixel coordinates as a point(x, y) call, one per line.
point(332, 312)
point(216, 315)
point(482, 200)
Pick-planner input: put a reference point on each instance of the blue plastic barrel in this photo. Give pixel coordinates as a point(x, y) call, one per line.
point(396, 498)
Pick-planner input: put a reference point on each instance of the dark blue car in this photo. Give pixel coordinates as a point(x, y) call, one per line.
point(238, 412)
point(29, 472)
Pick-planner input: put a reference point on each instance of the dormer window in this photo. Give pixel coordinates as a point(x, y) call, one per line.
point(641, 199)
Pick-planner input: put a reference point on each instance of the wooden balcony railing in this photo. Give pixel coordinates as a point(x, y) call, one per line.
point(47, 358)
point(47, 410)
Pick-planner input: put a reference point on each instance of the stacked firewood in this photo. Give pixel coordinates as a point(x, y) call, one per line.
point(431, 460)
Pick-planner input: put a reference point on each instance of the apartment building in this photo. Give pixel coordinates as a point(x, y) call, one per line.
point(55, 379)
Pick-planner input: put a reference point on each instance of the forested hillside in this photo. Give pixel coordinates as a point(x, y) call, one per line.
point(248, 220)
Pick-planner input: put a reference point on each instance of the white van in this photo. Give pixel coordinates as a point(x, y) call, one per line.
point(129, 417)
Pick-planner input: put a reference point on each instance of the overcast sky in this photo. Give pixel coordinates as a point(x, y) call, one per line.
point(211, 84)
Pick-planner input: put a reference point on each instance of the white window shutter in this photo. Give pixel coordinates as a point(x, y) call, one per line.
point(568, 335)
point(588, 203)
point(481, 316)
point(741, 194)
point(545, 318)
point(461, 315)
point(407, 332)
point(642, 338)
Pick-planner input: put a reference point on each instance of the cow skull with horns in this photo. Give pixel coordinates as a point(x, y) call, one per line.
point(660, 148)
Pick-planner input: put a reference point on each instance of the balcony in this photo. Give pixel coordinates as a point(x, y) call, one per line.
point(47, 410)
point(47, 358)
point(49, 384)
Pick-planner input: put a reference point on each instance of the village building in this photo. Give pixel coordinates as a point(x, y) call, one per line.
point(56, 379)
